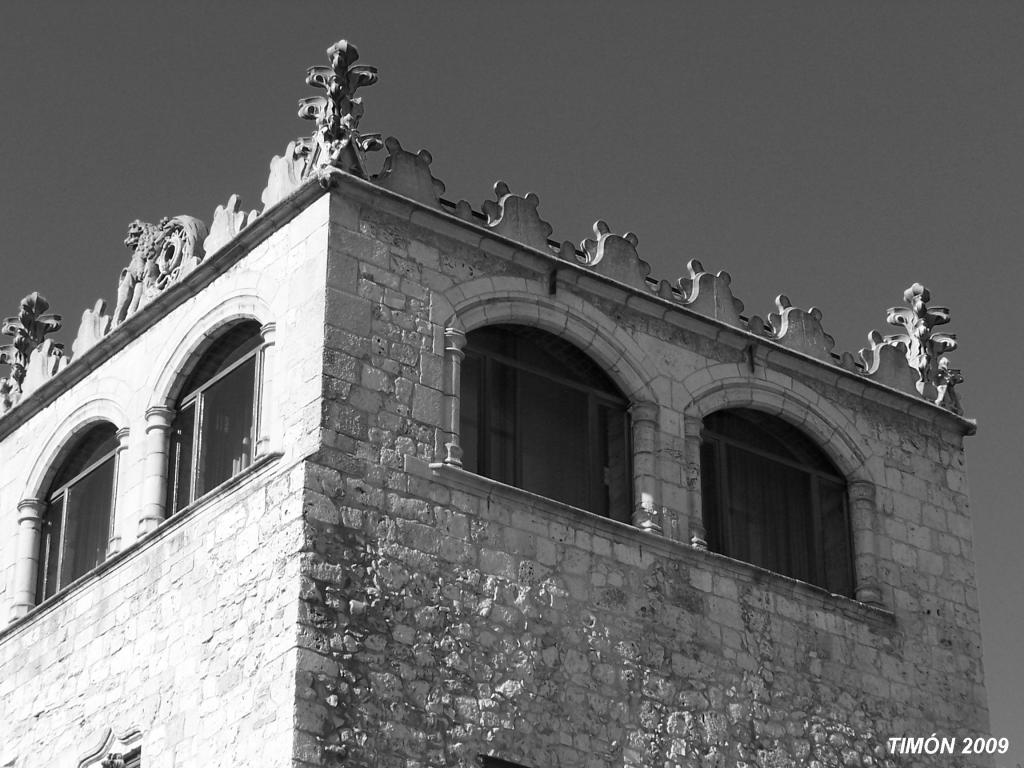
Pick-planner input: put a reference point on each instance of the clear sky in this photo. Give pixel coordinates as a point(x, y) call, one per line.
point(835, 152)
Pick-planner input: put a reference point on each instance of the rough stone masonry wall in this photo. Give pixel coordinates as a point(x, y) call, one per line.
point(444, 616)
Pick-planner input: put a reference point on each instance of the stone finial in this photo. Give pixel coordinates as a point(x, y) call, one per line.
point(228, 220)
point(886, 363)
point(710, 294)
point(801, 330)
point(924, 345)
point(162, 254)
point(516, 217)
point(615, 256)
point(337, 140)
point(94, 326)
point(29, 330)
point(409, 174)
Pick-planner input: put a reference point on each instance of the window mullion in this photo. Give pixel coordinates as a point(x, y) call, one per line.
point(197, 446)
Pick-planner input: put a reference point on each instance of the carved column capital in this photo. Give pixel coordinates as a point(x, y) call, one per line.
point(644, 410)
point(861, 491)
point(30, 509)
point(159, 417)
point(454, 341)
point(268, 332)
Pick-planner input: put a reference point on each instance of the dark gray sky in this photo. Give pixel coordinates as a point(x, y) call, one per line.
point(835, 152)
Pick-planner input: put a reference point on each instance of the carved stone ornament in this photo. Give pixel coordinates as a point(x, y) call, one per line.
point(287, 172)
point(924, 345)
point(886, 363)
point(946, 379)
point(29, 348)
point(94, 326)
point(801, 330)
point(337, 141)
point(409, 174)
point(710, 294)
point(112, 749)
point(615, 256)
point(228, 220)
point(516, 217)
point(162, 254)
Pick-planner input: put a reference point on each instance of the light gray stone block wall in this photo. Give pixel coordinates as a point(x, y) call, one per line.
point(188, 635)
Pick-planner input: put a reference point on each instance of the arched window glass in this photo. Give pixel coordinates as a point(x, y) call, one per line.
point(539, 414)
point(79, 507)
point(214, 430)
point(771, 497)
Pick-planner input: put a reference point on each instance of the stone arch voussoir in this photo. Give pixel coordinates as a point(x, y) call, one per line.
point(781, 396)
point(55, 450)
point(568, 316)
point(209, 323)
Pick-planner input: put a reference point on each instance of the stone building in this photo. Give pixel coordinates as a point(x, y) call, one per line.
point(370, 478)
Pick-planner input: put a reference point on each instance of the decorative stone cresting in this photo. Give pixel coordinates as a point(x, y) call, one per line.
point(886, 363)
point(228, 220)
point(516, 217)
point(924, 345)
point(32, 357)
point(286, 173)
point(337, 142)
point(710, 294)
point(409, 174)
point(162, 254)
point(801, 330)
point(94, 326)
point(615, 256)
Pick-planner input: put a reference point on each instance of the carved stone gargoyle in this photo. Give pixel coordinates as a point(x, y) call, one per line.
point(162, 254)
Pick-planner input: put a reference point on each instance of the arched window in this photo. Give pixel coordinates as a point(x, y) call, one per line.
point(538, 414)
point(771, 497)
point(214, 430)
point(79, 510)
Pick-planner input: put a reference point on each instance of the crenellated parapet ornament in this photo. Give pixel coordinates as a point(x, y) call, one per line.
point(29, 350)
point(162, 254)
point(337, 141)
point(516, 217)
point(407, 173)
point(615, 256)
point(926, 347)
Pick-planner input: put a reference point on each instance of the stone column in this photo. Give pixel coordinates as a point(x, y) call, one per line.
point(114, 542)
point(454, 341)
point(26, 564)
point(861, 494)
point(646, 512)
point(267, 414)
point(693, 425)
point(154, 475)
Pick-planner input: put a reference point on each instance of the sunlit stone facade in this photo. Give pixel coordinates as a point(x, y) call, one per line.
point(354, 595)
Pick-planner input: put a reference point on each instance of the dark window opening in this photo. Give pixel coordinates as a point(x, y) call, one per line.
point(771, 497)
point(213, 435)
point(75, 528)
point(539, 414)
